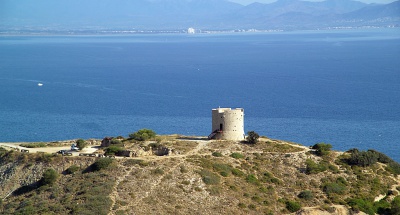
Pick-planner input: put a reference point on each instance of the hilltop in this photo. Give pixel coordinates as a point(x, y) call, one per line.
point(192, 175)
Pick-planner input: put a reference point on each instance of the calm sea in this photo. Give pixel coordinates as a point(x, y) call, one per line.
point(339, 87)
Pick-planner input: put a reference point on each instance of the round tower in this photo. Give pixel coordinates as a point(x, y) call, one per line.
point(227, 124)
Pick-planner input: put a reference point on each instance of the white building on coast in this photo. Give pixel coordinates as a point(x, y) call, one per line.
point(227, 124)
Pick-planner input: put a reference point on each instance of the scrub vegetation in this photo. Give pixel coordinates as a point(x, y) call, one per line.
point(226, 177)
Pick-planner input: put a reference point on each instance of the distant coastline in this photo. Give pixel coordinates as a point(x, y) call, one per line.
point(112, 32)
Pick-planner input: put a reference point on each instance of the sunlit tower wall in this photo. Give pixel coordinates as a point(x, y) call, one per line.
point(227, 124)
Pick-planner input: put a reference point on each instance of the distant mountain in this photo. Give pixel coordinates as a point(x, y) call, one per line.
point(289, 6)
point(372, 12)
point(181, 14)
point(109, 13)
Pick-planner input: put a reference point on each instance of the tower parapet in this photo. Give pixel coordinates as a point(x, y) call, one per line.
point(227, 124)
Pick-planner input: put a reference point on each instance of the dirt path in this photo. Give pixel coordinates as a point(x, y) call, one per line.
point(90, 149)
point(114, 194)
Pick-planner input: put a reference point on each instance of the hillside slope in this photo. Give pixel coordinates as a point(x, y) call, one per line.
point(197, 177)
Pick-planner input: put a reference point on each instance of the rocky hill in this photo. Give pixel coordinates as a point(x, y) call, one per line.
point(193, 175)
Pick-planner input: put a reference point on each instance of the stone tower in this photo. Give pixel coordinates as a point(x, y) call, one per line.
point(227, 124)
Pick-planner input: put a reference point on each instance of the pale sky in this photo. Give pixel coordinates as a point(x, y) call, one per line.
point(246, 2)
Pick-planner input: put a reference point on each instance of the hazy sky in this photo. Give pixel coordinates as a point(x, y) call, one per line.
point(245, 2)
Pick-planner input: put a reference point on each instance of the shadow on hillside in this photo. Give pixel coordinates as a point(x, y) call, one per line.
point(26, 189)
point(192, 138)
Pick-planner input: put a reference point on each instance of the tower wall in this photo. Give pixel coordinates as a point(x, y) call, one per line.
point(229, 123)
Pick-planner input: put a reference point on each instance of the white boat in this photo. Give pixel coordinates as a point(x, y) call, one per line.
point(40, 84)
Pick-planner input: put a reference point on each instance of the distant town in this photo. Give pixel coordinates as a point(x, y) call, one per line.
point(190, 30)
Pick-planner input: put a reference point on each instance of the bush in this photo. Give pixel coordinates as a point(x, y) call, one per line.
point(112, 150)
point(155, 145)
point(314, 168)
point(158, 171)
point(306, 195)
point(394, 168)
point(217, 154)
point(116, 141)
point(252, 179)
point(223, 169)
point(237, 155)
point(143, 135)
point(382, 207)
point(322, 149)
point(81, 144)
point(336, 188)
point(2, 151)
point(292, 206)
point(362, 205)
point(237, 172)
point(49, 177)
point(252, 137)
point(101, 163)
point(395, 205)
point(241, 205)
point(370, 157)
point(72, 169)
point(209, 178)
point(33, 145)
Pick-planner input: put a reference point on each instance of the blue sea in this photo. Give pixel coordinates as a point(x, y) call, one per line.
point(340, 87)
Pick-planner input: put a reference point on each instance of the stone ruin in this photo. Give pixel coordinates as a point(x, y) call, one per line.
point(106, 142)
point(161, 151)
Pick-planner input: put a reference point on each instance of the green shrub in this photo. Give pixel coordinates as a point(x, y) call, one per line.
point(72, 169)
point(237, 155)
point(314, 168)
point(306, 195)
point(336, 188)
point(112, 150)
point(143, 135)
point(214, 190)
point(252, 207)
point(158, 171)
point(154, 145)
point(49, 177)
point(208, 177)
point(322, 149)
point(217, 154)
point(382, 207)
point(223, 169)
point(81, 144)
point(394, 168)
point(268, 177)
point(116, 141)
point(237, 172)
point(241, 205)
point(252, 179)
point(132, 162)
point(34, 145)
point(370, 157)
point(252, 137)
point(225, 174)
point(395, 206)
point(362, 205)
point(183, 169)
point(292, 206)
point(101, 163)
